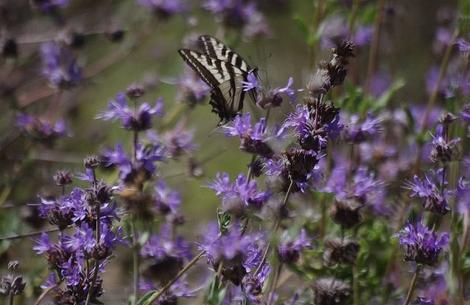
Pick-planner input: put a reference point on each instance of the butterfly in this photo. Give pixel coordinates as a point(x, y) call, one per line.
point(224, 71)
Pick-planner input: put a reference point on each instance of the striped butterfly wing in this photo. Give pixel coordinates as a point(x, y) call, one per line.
point(217, 49)
point(224, 79)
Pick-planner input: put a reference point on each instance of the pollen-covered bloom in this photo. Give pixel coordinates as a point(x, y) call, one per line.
point(238, 194)
point(429, 190)
point(59, 65)
point(138, 120)
point(41, 129)
point(289, 250)
point(421, 244)
point(253, 138)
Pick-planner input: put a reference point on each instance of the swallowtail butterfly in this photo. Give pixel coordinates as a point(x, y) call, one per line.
point(224, 71)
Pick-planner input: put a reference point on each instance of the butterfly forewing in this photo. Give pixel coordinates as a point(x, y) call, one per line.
point(224, 71)
point(217, 49)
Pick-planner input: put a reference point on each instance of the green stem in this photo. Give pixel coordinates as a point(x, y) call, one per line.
point(374, 46)
point(355, 282)
point(11, 299)
point(412, 287)
point(135, 263)
point(156, 295)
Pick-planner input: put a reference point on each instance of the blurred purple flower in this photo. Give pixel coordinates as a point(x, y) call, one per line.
point(463, 195)
point(241, 190)
point(429, 190)
point(289, 251)
point(357, 131)
point(164, 8)
point(422, 245)
point(40, 129)
point(133, 120)
point(166, 200)
point(191, 89)
point(423, 301)
point(47, 6)
point(465, 113)
point(363, 35)
point(162, 246)
point(179, 141)
point(59, 65)
point(380, 83)
point(463, 45)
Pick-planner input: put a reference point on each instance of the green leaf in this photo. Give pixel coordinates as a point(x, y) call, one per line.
point(385, 98)
point(145, 299)
point(223, 219)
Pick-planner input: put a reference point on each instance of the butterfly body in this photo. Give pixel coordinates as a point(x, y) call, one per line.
point(224, 71)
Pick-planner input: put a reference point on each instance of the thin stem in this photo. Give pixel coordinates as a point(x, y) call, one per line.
point(156, 295)
point(31, 234)
point(97, 261)
point(44, 294)
point(374, 46)
point(412, 286)
point(273, 285)
point(12, 299)
point(355, 282)
point(135, 263)
point(276, 226)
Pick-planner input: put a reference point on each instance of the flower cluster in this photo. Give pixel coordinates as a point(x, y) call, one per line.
point(59, 65)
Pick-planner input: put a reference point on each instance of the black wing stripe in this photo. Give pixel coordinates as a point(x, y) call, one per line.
point(217, 49)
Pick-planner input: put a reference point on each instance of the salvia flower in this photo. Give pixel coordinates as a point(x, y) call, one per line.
point(180, 289)
point(41, 129)
point(463, 195)
point(12, 283)
point(429, 190)
point(233, 13)
point(164, 8)
point(463, 45)
point(253, 138)
point(138, 120)
point(422, 245)
point(357, 131)
point(47, 6)
point(289, 251)
point(239, 253)
point(59, 65)
point(465, 113)
point(340, 251)
point(165, 254)
point(331, 291)
point(166, 200)
point(238, 194)
point(423, 301)
point(191, 89)
point(443, 148)
point(252, 285)
point(179, 141)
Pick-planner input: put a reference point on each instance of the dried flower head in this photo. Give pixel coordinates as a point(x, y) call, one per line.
point(340, 251)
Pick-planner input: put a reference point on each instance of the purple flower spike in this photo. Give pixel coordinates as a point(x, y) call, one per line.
point(422, 245)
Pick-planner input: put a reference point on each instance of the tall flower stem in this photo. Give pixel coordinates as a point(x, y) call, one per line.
point(276, 227)
point(355, 284)
point(374, 46)
point(412, 287)
point(11, 299)
point(135, 262)
point(273, 285)
point(188, 266)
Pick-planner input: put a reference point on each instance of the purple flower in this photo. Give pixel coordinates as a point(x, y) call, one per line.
point(59, 66)
point(40, 129)
point(43, 244)
point(232, 12)
point(289, 251)
point(253, 138)
point(191, 89)
point(363, 35)
point(422, 245)
point(465, 113)
point(179, 141)
point(49, 5)
point(429, 190)
point(164, 8)
point(380, 83)
point(463, 45)
point(252, 284)
point(241, 191)
point(252, 82)
point(166, 200)
point(160, 247)
point(463, 195)
point(133, 120)
point(443, 148)
point(357, 131)
point(423, 301)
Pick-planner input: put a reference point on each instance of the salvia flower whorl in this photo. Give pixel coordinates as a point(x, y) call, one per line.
point(12, 283)
point(331, 291)
point(340, 251)
point(63, 177)
point(422, 245)
point(346, 212)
